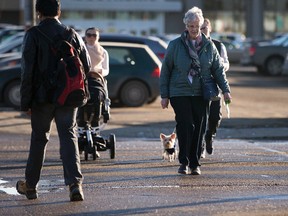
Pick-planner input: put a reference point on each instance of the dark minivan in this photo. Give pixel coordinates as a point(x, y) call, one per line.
point(157, 45)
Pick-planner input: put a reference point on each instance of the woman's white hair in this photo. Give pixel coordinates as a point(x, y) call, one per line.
point(193, 14)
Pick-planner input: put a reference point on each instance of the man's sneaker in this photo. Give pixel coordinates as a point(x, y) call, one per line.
point(209, 145)
point(183, 169)
point(23, 188)
point(196, 171)
point(76, 192)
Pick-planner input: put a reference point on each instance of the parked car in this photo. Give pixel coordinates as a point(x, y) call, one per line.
point(8, 55)
point(285, 66)
point(234, 43)
point(13, 37)
point(234, 52)
point(269, 56)
point(14, 46)
point(157, 45)
point(10, 60)
point(6, 25)
point(168, 37)
point(133, 79)
point(248, 50)
point(10, 78)
point(10, 30)
point(134, 73)
point(235, 38)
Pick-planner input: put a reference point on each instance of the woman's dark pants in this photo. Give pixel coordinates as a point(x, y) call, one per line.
point(191, 117)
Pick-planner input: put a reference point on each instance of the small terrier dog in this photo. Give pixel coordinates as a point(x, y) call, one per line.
point(169, 144)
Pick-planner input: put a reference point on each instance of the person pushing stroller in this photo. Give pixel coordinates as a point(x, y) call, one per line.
point(99, 102)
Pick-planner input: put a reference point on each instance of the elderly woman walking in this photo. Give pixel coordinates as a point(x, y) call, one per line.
point(188, 56)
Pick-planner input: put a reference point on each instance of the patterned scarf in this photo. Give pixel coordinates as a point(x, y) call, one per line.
point(192, 50)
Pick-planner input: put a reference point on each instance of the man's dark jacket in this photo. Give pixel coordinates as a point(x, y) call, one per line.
point(38, 61)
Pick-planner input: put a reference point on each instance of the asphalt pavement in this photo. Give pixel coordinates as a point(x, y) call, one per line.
point(243, 177)
point(247, 175)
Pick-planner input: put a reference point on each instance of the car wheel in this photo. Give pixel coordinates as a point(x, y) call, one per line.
point(112, 142)
point(134, 94)
point(12, 94)
point(274, 66)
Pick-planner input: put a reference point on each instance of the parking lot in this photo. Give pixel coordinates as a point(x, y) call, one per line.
point(247, 175)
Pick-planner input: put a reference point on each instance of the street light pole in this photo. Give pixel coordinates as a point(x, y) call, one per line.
point(29, 12)
point(33, 13)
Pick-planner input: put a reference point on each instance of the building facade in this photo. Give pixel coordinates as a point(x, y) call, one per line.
point(254, 18)
point(139, 17)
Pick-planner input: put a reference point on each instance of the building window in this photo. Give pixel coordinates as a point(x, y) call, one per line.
point(112, 15)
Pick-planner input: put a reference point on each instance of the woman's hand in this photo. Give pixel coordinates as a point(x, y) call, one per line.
point(227, 98)
point(164, 103)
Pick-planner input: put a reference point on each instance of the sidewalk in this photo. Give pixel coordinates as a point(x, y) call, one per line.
point(273, 129)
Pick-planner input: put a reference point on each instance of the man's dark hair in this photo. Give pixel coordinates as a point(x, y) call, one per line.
point(48, 8)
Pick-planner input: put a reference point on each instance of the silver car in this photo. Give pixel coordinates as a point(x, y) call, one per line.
point(269, 56)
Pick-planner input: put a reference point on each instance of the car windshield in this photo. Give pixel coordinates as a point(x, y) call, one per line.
point(281, 40)
point(119, 55)
point(11, 47)
point(12, 38)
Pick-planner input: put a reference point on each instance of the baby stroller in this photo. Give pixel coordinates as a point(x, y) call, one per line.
point(92, 118)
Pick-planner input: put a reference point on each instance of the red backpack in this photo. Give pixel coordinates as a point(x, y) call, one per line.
point(70, 84)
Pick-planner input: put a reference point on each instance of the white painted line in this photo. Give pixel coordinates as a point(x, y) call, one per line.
point(8, 190)
point(43, 184)
point(146, 186)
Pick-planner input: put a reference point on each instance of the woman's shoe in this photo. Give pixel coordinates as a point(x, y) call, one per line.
point(196, 171)
point(183, 169)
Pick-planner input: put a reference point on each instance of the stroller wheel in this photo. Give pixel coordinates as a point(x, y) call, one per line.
point(112, 141)
point(94, 153)
point(86, 152)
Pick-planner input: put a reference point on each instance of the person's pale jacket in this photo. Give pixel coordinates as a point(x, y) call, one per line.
point(177, 64)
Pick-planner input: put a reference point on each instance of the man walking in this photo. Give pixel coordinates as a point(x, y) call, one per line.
point(215, 114)
point(38, 64)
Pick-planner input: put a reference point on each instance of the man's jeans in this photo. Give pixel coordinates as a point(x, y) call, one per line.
point(41, 122)
point(214, 119)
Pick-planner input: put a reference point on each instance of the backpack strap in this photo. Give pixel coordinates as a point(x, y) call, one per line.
point(218, 45)
point(47, 38)
point(67, 36)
